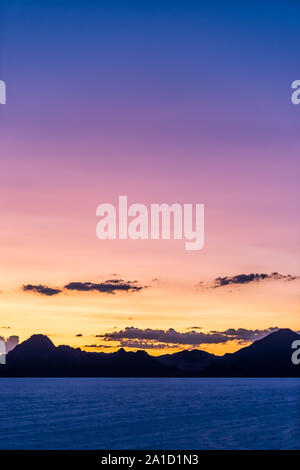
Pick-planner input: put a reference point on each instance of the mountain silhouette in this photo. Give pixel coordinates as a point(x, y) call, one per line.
point(36, 343)
point(39, 357)
point(195, 360)
point(269, 356)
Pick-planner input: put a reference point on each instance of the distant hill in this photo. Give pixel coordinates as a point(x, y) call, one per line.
point(195, 360)
point(38, 357)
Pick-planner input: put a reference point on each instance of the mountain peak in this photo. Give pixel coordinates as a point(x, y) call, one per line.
point(120, 352)
point(281, 334)
point(38, 342)
point(284, 331)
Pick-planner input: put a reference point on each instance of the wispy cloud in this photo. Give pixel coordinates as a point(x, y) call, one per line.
point(136, 344)
point(242, 279)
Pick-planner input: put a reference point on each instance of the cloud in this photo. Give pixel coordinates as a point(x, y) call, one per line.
point(191, 338)
point(243, 335)
point(136, 344)
point(79, 335)
point(248, 278)
point(10, 343)
point(109, 287)
point(40, 289)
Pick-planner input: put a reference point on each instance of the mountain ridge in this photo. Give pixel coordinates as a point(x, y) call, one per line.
point(39, 357)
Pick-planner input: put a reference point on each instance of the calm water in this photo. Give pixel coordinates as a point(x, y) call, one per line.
point(149, 413)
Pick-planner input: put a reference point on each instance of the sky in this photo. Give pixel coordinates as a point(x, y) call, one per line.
point(164, 102)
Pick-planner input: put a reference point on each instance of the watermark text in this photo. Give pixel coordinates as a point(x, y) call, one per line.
point(296, 93)
point(2, 92)
point(158, 222)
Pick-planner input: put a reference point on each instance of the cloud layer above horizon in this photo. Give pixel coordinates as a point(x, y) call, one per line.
point(155, 338)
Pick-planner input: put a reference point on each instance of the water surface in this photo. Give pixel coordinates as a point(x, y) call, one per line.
point(149, 413)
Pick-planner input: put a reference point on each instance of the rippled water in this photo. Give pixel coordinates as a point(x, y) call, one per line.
point(149, 413)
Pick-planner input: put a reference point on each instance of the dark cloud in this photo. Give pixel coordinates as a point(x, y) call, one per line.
point(243, 335)
point(192, 338)
point(98, 346)
point(40, 289)
point(136, 344)
point(248, 278)
point(79, 335)
point(109, 287)
point(194, 327)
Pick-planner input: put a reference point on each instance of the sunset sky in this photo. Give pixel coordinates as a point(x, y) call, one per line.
point(164, 102)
